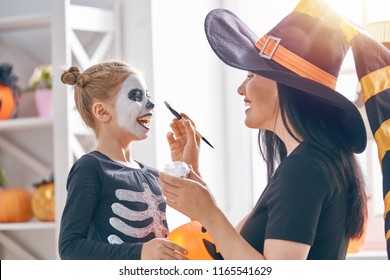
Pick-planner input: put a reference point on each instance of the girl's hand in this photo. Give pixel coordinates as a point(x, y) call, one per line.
point(184, 143)
point(162, 249)
point(188, 196)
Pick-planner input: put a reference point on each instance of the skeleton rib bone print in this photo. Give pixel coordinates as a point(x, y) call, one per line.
point(153, 211)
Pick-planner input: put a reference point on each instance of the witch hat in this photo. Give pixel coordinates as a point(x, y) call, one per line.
point(372, 62)
point(305, 50)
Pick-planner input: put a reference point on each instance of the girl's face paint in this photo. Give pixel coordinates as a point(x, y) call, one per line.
point(133, 107)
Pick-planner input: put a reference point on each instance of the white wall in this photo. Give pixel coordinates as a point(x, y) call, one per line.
point(187, 76)
point(137, 50)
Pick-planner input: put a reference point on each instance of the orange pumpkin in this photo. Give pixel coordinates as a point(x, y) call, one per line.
point(43, 202)
point(15, 205)
point(196, 240)
point(7, 102)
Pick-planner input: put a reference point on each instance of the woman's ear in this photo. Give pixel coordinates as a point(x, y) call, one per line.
point(101, 112)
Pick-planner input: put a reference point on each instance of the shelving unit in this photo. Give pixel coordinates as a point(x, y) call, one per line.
point(33, 225)
point(33, 147)
point(16, 247)
point(25, 123)
point(23, 22)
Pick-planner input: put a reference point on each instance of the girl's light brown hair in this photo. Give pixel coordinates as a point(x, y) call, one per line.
point(100, 82)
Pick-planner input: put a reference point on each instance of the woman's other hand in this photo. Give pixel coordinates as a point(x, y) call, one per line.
point(188, 196)
point(184, 143)
point(162, 249)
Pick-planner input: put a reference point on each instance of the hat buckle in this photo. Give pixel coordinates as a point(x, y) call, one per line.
point(265, 47)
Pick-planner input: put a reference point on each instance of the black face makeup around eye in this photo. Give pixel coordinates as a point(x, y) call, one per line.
point(136, 95)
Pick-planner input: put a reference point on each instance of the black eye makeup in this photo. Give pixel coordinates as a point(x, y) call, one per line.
point(136, 95)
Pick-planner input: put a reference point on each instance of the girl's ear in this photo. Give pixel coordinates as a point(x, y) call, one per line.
point(101, 112)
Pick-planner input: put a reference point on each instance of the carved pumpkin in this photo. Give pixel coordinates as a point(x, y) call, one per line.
point(7, 102)
point(196, 240)
point(15, 205)
point(43, 202)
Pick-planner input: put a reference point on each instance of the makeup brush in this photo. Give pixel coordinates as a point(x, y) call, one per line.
point(180, 118)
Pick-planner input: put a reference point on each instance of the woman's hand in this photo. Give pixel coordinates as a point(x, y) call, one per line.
point(188, 196)
point(162, 249)
point(184, 143)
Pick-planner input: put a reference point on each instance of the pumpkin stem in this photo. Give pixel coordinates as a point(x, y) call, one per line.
point(47, 180)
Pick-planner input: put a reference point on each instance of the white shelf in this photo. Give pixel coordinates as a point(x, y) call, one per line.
point(25, 123)
point(24, 22)
point(34, 225)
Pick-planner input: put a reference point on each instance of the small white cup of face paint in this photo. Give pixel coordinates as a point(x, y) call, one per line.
point(177, 169)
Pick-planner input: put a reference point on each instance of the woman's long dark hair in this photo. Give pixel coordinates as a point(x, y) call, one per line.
point(319, 126)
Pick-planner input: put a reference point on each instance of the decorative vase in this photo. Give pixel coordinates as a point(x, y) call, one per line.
point(44, 102)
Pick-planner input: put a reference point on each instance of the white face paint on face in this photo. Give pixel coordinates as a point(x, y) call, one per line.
point(133, 107)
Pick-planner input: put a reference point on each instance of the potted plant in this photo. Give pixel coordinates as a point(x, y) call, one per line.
point(41, 84)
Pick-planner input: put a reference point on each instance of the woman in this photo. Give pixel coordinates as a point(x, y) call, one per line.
point(315, 199)
point(115, 208)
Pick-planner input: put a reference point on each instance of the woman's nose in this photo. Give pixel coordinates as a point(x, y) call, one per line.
point(241, 89)
point(149, 104)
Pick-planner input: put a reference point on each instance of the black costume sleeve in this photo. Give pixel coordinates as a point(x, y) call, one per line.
point(84, 187)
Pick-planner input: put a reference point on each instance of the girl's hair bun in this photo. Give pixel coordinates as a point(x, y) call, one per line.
point(73, 76)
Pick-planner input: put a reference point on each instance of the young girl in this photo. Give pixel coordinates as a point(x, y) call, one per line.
point(115, 208)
